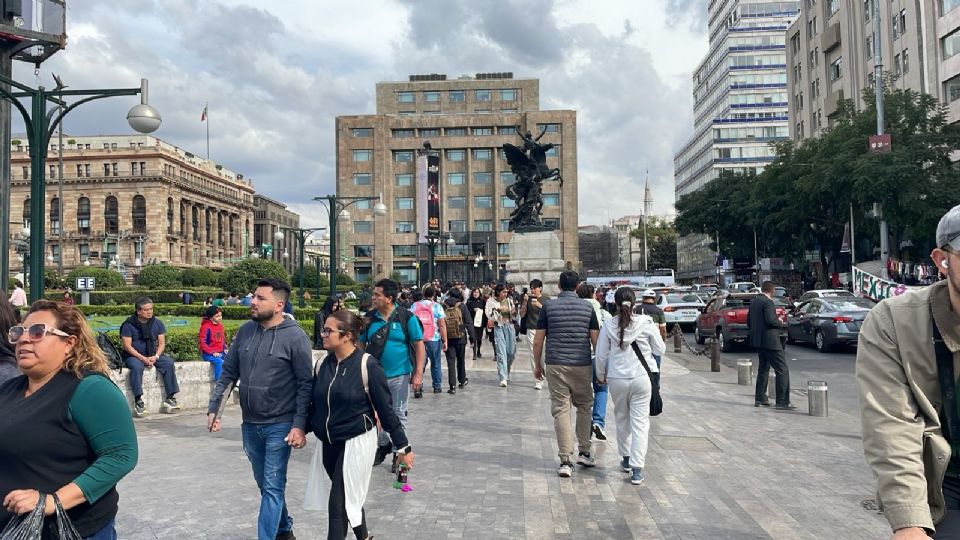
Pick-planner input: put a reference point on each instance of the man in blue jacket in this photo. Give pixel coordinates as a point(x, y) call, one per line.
point(272, 356)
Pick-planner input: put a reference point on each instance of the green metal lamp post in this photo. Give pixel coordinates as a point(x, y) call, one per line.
point(40, 125)
point(337, 209)
point(301, 235)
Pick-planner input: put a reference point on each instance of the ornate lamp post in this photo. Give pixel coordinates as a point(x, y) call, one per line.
point(301, 235)
point(337, 209)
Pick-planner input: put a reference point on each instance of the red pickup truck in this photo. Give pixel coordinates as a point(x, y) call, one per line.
point(725, 318)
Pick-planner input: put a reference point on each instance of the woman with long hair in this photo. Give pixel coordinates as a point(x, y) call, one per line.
point(620, 368)
point(344, 415)
point(9, 316)
point(476, 304)
point(67, 429)
point(500, 310)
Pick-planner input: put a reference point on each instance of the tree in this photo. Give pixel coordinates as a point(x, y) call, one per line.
point(159, 276)
point(243, 277)
point(661, 243)
point(198, 277)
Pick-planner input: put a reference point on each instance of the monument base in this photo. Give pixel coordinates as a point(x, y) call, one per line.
point(536, 255)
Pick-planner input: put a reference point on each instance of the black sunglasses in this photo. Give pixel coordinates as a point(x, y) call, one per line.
point(327, 331)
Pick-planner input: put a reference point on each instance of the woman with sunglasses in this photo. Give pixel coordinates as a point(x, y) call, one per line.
point(67, 430)
point(343, 416)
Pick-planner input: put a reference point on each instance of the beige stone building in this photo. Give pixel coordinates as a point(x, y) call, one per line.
point(467, 120)
point(132, 199)
point(269, 217)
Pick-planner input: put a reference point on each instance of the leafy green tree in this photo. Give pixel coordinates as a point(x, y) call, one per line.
point(159, 276)
point(661, 243)
point(243, 277)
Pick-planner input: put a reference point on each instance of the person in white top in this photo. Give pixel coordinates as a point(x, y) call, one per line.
point(629, 384)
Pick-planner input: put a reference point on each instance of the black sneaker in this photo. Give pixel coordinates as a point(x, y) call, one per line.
point(452, 390)
point(585, 459)
point(417, 394)
point(599, 433)
point(438, 390)
point(464, 383)
point(286, 535)
point(381, 455)
point(140, 409)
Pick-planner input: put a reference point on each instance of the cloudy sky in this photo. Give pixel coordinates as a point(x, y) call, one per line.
point(276, 74)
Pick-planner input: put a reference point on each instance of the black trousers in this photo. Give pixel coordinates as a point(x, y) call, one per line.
point(456, 361)
point(337, 504)
point(949, 527)
point(769, 358)
point(476, 340)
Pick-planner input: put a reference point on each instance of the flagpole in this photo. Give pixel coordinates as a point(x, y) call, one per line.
point(206, 110)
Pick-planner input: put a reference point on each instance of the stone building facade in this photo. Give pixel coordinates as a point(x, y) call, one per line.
point(132, 200)
point(269, 217)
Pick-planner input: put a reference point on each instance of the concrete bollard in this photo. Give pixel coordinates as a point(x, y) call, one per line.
point(744, 371)
point(715, 356)
point(817, 398)
point(676, 338)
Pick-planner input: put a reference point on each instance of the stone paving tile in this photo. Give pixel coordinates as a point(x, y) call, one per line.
point(718, 468)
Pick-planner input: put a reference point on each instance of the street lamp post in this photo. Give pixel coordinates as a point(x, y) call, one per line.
point(337, 208)
point(40, 126)
point(301, 235)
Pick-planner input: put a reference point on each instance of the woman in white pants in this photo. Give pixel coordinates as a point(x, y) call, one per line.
point(629, 384)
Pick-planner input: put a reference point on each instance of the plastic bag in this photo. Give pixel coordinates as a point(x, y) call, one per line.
point(25, 526)
point(64, 525)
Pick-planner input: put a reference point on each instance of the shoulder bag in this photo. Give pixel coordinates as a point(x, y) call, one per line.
point(656, 402)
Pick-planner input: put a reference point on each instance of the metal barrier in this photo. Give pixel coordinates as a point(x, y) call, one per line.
point(744, 372)
point(817, 398)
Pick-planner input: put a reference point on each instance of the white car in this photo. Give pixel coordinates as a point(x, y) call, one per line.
point(824, 293)
point(741, 286)
point(680, 308)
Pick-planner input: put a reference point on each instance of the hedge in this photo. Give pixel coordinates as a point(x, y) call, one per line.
point(243, 276)
point(129, 296)
point(182, 344)
point(198, 277)
point(105, 278)
point(235, 313)
point(159, 276)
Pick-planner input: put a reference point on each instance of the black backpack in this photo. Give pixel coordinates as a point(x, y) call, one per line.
point(114, 358)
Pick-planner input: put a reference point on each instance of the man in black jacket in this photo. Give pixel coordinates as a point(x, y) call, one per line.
point(765, 337)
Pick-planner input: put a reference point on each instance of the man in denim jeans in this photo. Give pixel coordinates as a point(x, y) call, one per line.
point(397, 349)
point(271, 356)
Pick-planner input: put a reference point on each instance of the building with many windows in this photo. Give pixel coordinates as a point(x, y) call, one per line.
point(270, 217)
point(740, 107)
point(132, 200)
point(467, 121)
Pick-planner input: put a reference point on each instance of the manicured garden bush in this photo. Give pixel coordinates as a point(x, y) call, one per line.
point(198, 277)
point(243, 277)
point(159, 276)
point(106, 279)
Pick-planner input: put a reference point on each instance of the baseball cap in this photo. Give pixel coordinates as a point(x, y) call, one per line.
point(648, 294)
point(948, 230)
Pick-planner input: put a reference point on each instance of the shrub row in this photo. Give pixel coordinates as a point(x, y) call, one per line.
point(235, 313)
point(130, 295)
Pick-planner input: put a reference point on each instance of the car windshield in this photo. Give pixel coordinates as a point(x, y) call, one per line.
point(852, 304)
point(682, 298)
point(736, 302)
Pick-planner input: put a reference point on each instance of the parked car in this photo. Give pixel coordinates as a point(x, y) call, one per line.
point(709, 287)
point(704, 295)
point(725, 318)
point(680, 308)
point(780, 292)
point(828, 322)
point(823, 293)
point(741, 286)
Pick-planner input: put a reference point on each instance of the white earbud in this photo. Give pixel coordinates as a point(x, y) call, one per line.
point(943, 263)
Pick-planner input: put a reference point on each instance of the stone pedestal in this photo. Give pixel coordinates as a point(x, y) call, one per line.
point(536, 255)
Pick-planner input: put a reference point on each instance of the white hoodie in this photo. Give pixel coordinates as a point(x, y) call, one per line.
point(614, 362)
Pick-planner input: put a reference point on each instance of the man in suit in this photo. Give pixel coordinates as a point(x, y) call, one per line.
point(765, 338)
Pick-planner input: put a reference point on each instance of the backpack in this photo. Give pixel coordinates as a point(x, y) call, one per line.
point(424, 312)
point(378, 340)
point(114, 358)
point(454, 322)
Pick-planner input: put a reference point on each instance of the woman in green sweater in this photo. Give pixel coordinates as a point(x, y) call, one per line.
point(67, 430)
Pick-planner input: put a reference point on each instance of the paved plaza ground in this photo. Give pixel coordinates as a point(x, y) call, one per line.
point(718, 468)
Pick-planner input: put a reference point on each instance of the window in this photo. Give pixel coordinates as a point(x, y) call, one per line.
point(402, 133)
point(83, 250)
point(53, 171)
point(456, 96)
point(404, 203)
point(482, 95)
point(551, 128)
point(431, 97)
point(455, 132)
point(139, 214)
point(553, 223)
point(111, 215)
point(946, 6)
point(54, 216)
point(483, 225)
point(55, 252)
point(456, 202)
point(507, 178)
point(83, 215)
point(836, 69)
point(362, 205)
point(169, 215)
point(505, 225)
point(482, 154)
point(79, 171)
point(404, 227)
point(551, 152)
point(503, 250)
point(868, 49)
point(507, 202)
point(362, 179)
point(363, 251)
point(896, 65)
point(456, 155)
point(457, 225)
point(106, 169)
point(116, 169)
point(482, 177)
point(812, 27)
point(508, 94)
point(951, 89)
point(408, 274)
point(551, 199)
point(429, 132)
point(86, 170)
point(362, 155)
point(833, 6)
point(867, 10)
point(361, 227)
point(483, 131)
point(483, 201)
point(511, 130)
point(405, 251)
point(406, 97)
point(951, 44)
point(455, 179)
point(404, 179)
point(403, 156)
point(362, 132)
point(905, 56)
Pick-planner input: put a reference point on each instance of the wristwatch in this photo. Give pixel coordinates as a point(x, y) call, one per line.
point(404, 451)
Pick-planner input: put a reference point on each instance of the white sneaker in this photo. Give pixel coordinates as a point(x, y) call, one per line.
point(503, 384)
point(538, 385)
point(565, 470)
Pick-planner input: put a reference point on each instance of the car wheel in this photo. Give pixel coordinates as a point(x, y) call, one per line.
point(725, 346)
point(820, 342)
point(698, 336)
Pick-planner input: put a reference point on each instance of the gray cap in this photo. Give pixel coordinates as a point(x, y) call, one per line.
point(948, 230)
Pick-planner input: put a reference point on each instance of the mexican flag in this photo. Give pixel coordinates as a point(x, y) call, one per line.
point(203, 115)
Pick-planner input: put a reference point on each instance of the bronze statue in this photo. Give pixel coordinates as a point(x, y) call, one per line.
point(529, 166)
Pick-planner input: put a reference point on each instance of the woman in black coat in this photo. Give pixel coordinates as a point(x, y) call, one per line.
point(474, 304)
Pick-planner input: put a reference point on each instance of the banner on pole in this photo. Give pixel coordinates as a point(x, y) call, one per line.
point(428, 197)
point(422, 199)
point(845, 245)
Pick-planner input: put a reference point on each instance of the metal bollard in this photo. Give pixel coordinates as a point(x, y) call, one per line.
point(744, 372)
point(817, 398)
point(676, 338)
point(715, 356)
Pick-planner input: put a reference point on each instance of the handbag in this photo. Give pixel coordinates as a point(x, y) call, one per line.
point(29, 526)
point(656, 402)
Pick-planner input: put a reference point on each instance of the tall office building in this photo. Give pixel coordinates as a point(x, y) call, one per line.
point(740, 108)
point(466, 120)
